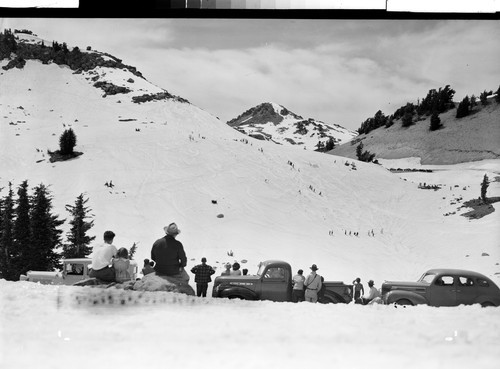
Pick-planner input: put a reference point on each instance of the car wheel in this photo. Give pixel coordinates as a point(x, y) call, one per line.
point(232, 297)
point(403, 302)
point(330, 299)
point(487, 303)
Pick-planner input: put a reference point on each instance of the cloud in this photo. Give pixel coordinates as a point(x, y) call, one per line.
point(338, 71)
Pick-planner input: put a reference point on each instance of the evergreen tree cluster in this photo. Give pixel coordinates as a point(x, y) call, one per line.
point(378, 120)
point(483, 97)
point(325, 146)
point(365, 156)
point(59, 54)
point(8, 44)
point(30, 233)
point(26, 31)
point(437, 101)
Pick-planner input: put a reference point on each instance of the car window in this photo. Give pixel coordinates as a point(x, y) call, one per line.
point(482, 282)
point(275, 273)
point(466, 281)
point(444, 280)
point(76, 269)
point(262, 267)
point(427, 278)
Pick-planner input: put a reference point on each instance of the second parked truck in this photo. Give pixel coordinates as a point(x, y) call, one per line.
point(273, 281)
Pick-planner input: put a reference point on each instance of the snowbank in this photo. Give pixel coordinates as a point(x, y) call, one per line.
point(58, 327)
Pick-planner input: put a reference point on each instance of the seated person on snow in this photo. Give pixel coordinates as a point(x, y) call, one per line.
point(373, 293)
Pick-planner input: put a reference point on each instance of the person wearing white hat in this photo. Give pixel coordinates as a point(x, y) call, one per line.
point(312, 285)
point(168, 253)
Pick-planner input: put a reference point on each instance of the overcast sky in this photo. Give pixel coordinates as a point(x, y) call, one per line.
point(337, 71)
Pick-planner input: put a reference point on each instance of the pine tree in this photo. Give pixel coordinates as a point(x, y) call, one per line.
point(132, 251)
point(67, 142)
point(435, 122)
point(359, 150)
point(319, 146)
point(7, 250)
point(407, 119)
point(463, 108)
point(45, 232)
point(330, 144)
point(484, 187)
point(78, 246)
point(22, 234)
point(483, 97)
point(473, 101)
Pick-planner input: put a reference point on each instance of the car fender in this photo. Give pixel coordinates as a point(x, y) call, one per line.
point(332, 298)
point(238, 292)
point(396, 295)
point(486, 299)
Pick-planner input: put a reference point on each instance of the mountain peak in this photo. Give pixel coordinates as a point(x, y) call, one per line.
point(273, 122)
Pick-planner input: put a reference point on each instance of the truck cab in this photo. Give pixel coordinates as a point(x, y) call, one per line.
point(273, 282)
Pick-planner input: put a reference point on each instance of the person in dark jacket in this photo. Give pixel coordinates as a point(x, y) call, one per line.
point(202, 273)
point(168, 253)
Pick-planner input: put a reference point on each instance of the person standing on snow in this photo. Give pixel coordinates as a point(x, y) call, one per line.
point(168, 253)
point(202, 273)
point(359, 290)
point(102, 258)
point(298, 286)
point(312, 285)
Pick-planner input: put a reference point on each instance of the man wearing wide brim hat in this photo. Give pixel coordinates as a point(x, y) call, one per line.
point(312, 285)
point(168, 253)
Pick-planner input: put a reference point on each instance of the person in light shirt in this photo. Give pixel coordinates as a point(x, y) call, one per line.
point(298, 286)
point(372, 293)
point(313, 285)
point(102, 259)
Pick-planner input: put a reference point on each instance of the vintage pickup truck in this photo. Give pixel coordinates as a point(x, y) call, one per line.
point(74, 270)
point(443, 287)
point(273, 281)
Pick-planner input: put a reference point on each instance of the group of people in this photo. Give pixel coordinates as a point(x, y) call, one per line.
point(168, 258)
point(359, 296)
point(307, 289)
point(110, 264)
point(311, 288)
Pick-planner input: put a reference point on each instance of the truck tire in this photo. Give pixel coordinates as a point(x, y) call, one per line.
point(403, 302)
point(331, 298)
point(234, 297)
point(487, 303)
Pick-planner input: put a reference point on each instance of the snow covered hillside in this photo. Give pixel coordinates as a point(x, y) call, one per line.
point(273, 122)
point(471, 138)
point(233, 194)
point(169, 159)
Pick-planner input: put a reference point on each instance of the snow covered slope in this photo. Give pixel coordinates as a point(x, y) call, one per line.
point(169, 159)
point(471, 138)
point(273, 122)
